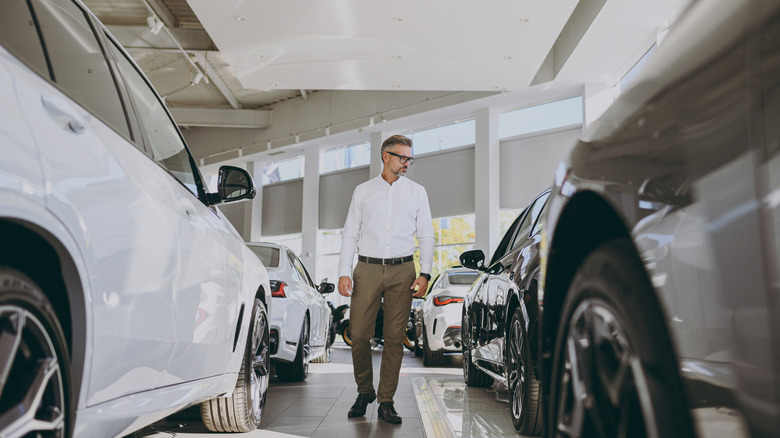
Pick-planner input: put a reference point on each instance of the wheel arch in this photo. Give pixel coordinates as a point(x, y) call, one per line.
point(40, 255)
point(586, 222)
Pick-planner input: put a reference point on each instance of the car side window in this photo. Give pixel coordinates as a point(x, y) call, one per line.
point(504, 245)
point(19, 35)
point(296, 272)
point(524, 228)
point(161, 135)
point(78, 64)
point(537, 213)
point(302, 270)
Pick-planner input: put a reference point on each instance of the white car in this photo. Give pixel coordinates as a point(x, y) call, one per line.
point(125, 295)
point(300, 318)
point(437, 320)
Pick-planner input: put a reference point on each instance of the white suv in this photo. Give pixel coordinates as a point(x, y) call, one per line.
point(125, 295)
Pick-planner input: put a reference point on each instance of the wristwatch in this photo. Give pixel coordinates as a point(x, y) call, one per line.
point(425, 276)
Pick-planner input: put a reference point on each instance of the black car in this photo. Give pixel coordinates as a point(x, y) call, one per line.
point(500, 318)
point(662, 244)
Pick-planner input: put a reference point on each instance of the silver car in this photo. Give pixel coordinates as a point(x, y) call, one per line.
point(125, 295)
point(301, 318)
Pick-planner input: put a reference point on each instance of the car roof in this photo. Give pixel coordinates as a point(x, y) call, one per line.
point(698, 37)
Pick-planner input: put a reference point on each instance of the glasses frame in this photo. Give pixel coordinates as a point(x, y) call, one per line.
point(403, 158)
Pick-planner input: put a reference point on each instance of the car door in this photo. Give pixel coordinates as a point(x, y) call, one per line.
point(111, 198)
point(205, 299)
point(318, 308)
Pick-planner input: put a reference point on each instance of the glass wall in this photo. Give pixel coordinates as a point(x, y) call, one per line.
point(444, 137)
point(345, 157)
point(283, 170)
point(558, 114)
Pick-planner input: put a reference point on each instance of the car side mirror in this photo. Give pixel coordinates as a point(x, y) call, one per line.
point(474, 259)
point(326, 288)
point(234, 184)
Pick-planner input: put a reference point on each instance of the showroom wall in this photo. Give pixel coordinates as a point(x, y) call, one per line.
point(527, 165)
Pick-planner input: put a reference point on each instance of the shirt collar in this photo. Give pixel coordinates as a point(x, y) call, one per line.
point(387, 184)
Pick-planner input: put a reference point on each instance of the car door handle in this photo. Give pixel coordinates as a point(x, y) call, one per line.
point(63, 114)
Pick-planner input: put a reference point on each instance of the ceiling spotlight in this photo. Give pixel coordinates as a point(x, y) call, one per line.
point(297, 138)
point(524, 20)
point(507, 58)
point(495, 87)
point(240, 19)
point(259, 55)
point(275, 85)
point(397, 19)
point(396, 86)
point(268, 144)
point(327, 130)
point(154, 24)
point(397, 56)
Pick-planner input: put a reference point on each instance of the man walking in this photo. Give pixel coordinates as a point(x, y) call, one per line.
point(384, 215)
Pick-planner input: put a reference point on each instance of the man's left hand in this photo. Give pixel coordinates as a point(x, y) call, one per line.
point(421, 283)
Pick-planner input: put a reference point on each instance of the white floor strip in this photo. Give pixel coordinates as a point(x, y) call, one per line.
point(434, 417)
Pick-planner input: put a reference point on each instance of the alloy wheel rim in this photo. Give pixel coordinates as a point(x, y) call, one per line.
point(260, 365)
point(516, 368)
point(602, 380)
point(32, 396)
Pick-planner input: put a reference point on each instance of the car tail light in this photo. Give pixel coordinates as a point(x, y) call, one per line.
point(277, 289)
point(444, 300)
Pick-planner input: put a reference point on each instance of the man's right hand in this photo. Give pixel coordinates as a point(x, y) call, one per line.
point(345, 286)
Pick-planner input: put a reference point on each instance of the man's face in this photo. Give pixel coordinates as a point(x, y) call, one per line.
point(394, 163)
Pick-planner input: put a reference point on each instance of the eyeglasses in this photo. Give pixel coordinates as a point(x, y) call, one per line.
point(404, 159)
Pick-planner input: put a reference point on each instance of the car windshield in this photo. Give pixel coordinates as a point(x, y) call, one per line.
point(268, 255)
point(462, 278)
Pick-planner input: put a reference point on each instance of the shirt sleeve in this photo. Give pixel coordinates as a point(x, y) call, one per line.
point(349, 237)
point(425, 233)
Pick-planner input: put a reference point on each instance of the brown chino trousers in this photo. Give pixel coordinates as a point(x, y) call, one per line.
point(372, 282)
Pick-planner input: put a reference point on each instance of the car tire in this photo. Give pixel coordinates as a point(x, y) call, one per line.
point(243, 411)
point(430, 358)
point(524, 394)
point(298, 369)
point(325, 356)
point(418, 342)
point(472, 375)
point(626, 370)
point(35, 365)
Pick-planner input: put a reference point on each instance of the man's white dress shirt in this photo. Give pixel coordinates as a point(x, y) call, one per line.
point(382, 221)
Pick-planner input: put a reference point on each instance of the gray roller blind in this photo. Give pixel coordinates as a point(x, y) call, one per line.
point(448, 177)
point(282, 208)
point(527, 165)
point(335, 195)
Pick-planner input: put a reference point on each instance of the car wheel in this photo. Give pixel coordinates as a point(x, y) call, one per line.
point(298, 369)
point(472, 375)
point(523, 384)
point(35, 372)
point(430, 358)
point(325, 357)
point(418, 342)
point(243, 411)
point(614, 373)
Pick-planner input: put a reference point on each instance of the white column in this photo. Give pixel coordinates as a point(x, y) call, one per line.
point(596, 98)
point(253, 218)
point(311, 210)
point(486, 181)
point(376, 156)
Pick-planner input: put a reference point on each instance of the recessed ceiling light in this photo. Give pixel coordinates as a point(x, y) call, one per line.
point(397, 19)
point(396, 86)
point(494, 86)
point(507, 58)
point(259, 55)
point(275, 85)
point(240, 19)
point(524, 20)
point(397, 56)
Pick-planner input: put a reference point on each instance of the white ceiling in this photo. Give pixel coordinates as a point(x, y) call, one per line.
point(421, 45)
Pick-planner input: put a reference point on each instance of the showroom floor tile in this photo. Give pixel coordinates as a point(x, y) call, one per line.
point(434, 402)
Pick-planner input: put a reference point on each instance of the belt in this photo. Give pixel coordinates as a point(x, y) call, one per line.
point(395, 261)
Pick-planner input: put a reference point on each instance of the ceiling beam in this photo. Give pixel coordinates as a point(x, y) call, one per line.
point(202, 60)
point(221, 118)
point(163, 13)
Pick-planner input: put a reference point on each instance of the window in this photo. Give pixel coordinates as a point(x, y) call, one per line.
point(629, 77)
point(345, 157)
point(77, 61)
point(162, 136)
point(537, 118)
point(462, 278)
point(292, 241)
point(298, 265)
point(524, 230)
point(444, 137)
point(283, 170)
point(506, 218)
point(452, 236)
point(19, 35)
point(267, 254)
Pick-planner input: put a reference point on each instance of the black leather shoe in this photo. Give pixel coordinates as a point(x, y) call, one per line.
point(387, 412)
point(359, 408)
